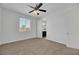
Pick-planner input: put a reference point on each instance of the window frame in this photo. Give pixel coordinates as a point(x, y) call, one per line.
point(26, 29)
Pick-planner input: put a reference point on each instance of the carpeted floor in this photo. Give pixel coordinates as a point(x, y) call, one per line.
point(36, 46)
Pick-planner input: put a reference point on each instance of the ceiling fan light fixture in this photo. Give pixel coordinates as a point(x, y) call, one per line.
point(36, 12)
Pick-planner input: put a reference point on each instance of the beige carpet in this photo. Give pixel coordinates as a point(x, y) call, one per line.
point(36, 47)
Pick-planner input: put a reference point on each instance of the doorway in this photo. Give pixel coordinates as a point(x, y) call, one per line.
point(44, 34)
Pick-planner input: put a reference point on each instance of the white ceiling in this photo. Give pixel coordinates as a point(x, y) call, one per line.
point(50, 7)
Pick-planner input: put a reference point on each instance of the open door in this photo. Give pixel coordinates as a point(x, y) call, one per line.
point(44, 34)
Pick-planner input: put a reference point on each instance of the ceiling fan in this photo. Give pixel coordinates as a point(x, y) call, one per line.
point(37, 8)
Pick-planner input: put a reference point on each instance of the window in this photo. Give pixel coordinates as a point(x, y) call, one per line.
point(24, 25)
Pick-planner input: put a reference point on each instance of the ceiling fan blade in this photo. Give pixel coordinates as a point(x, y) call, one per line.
point(42, 10)
point(40, 4)
point(36, 5)
point(31, 11)
point(31, 7)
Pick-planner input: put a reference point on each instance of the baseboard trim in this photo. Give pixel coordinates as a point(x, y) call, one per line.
point(3, 43)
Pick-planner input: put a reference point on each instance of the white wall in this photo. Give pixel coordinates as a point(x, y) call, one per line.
point(56, 28)
point(71, 17)
point(39, 28)
point(63, 26)
point(0, 26)
point(10, 22)
point(73, 27)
